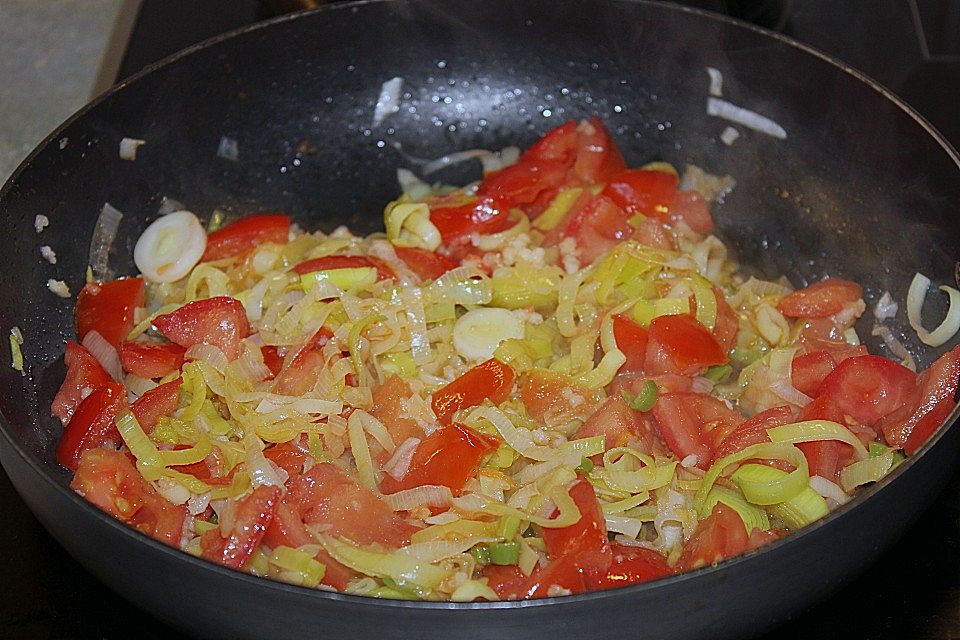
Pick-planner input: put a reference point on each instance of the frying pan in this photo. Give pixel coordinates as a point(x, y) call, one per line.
point(861, 187)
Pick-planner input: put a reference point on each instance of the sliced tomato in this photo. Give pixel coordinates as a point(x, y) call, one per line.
point(552, 397)
point(754, 430)
point(690, 208)
point(809, 369)
point(507, 580)
point(426, 264)
point(522, 183)
point(449, 456)
point(934, 399)
point(483, 216)
point(825, 458)
point(598, 159)
point(653, 233)
point(272, 359)
point(384, 272)
point(585, 540)
point(720, 536)
point(630, 565)
point(151, 360)
point(220, 321)
point(694, 424)
point(820, 299)
point(108, 308)
point(108, 479)
point(290, 456)
point(92, 424)
point(647, 192)
point(560, 145)
point(827, 334)
point(304, 366)
point(388, 399)
point(597, 227)
point(618, 423)
point(328, 498)
point(680, 344)
point(563, 576)
point(869, 388)
point(84, 375)
point(246, 234)
point(727, 326)
point(631, 339)
point(160, 401)
point(491, 380)
point(252, 516)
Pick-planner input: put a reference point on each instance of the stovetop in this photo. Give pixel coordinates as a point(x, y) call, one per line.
point(912, 592)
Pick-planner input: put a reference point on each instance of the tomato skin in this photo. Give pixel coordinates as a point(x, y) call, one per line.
point(252, 516)
point(108, 479)
point(522, 183)
point(159, 401)
point(426, 264)
point(720, 536)
point(598, 158)
point(456, 224)
point(694, 424)
point(647, 192)
point(246, 234)
point(868, 388)
point(84, 375)
point(491, 380)
point(108, 308)
point(820, 299)
point(449, 456)
point(631, 339)
point(384, 272)
point(808, 370)
point(680, 344)
point(149, 360)
point(913, 424)
point(92, 424)
point(327, 497)
point(220, 321)
point(630, 565)
point(585, 540)
point(754, 430)
point(557, 145)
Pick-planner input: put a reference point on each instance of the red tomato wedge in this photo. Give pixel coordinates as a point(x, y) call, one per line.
point(630, 565)
point(84, 375)
point(694, 424)
point(722, 535)
point(550, 396)
point(384, 272)
point(159, 401)
point(618, 423)
point(690, 207)
point(727, 326)
point(388, 409)
point(449, 457)
point(936, 389)
point(562, 576)
point(754, 430)
point(458, 223)
point(246, 234)
point(220, 321)
point(426, 264)
point(252, 516)
point(680, 344)
point(647, 192)
point(327, 497)
point(289, 456)
point(820, 299)
point(809, 369)
point(491, 380)
point(868, 388)
point(631, 339)
point(149, 360)
point(108, 479)
point(585, 540)
point(598, 159)
point(597, 227)
point(92, 424)
point(507, 580)
point(108, 308)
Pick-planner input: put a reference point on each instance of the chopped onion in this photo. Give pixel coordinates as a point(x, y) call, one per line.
point(388, 102)
point(424, 495)
point(886, 307)
point(790, 393)
point(228, 149)
point(105, 354)
point(128, 148)
point(48, 254)
point(169, 205)
point(712, 188)
point(437, 550)
point(896, 347)
point(41, 222)
point(729, 135)
point(59, 287)
point(104, 233)
point(398, 464)
point(829, 490)
point(951, 323)
point(716, 81)
point(739, 115)
point(170, 247)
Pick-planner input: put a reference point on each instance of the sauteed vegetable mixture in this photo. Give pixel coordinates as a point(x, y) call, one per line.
point(552, 381)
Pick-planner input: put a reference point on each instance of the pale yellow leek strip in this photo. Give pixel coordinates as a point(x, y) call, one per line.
point(192, 455)
point(815, 430)
point(605, 371)
point(762, 451)
point(569, 286)
point(361, 451)
point(196, 386)
point(622, 506)
point(218, 283)
point(406, 571)
point(865, 471)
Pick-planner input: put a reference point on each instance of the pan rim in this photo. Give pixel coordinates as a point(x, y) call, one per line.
point(628, 591)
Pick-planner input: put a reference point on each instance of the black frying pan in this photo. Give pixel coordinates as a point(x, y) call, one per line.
point(861, 187)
